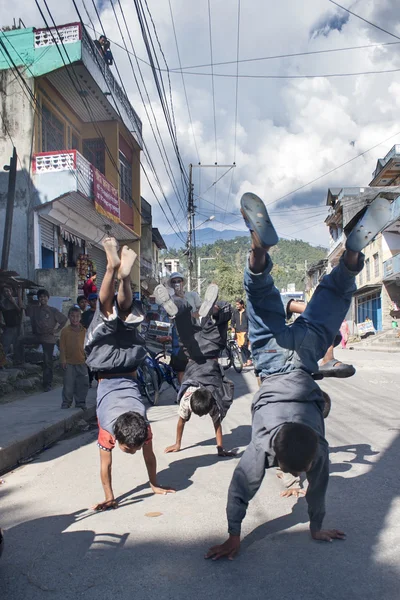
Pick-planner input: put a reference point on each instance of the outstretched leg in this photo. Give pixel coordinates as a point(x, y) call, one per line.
point(125, 296)
point(107, 289)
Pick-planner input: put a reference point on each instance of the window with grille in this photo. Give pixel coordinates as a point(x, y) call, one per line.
point(368, 269)
point(95, 152)
point(125, 179)
point(52, 131)
point(74, 142)
point(376, 264)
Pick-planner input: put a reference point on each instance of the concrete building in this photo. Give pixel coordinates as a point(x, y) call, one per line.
point(376, 295)
point(151, 244)
point(171, 265)
point(78, 141)
point(314, 275)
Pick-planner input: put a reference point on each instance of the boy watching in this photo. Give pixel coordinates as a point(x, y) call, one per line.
point(115, 350)
point(82, 303)
point(204, 389)
point(288, 425)
point(73, 361)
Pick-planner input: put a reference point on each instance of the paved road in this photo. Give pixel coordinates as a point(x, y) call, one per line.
point(58, 549)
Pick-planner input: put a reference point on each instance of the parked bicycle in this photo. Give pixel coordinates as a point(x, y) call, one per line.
point(148, 380)
point(231, 355)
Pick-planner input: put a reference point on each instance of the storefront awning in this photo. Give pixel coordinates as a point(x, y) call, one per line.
point(367, 289)
point(77, 216)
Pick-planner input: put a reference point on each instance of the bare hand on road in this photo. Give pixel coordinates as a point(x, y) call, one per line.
point(296, 492)
point(328, 535)
point(229, 549)
point(174, 448)
point(106, 505)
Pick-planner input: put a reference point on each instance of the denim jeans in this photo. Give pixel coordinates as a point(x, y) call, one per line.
point(277, 347)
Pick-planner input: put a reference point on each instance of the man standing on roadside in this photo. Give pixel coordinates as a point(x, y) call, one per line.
point(86, 319)
point(73, 361)
point(240, 326)
point(90, 287)
point(11, 310)
point(46, 322)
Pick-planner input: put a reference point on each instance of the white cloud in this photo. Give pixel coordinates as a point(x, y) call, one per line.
point(289, 132)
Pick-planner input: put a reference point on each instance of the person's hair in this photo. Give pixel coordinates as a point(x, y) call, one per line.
point(295, 446)
point(240, 301)
point(79, 298)
point(201, 402)
point(74, 309)
point(130, 429)
point(93, 273)
point(43, 292)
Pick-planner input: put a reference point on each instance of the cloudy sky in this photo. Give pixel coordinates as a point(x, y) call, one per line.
point(289, 131)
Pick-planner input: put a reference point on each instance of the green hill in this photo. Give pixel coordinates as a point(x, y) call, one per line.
point(291, 258)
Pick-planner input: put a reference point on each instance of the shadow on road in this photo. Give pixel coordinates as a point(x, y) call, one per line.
point(43, 555)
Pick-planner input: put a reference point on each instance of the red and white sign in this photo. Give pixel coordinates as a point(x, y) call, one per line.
point(105, 196)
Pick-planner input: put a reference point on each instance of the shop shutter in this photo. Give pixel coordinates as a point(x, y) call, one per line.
point(46, 234)
point(99, 257)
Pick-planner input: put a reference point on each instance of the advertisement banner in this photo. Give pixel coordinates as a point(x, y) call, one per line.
point(366, 327)
point(105, 195)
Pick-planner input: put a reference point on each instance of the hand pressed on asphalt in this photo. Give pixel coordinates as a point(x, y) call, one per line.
point(296, 492)
point(173, 448)
point(328, 535)
point(106, 505)
point(229, 549)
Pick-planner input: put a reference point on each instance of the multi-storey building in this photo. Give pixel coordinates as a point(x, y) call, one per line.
point(78, 141)
point(376, 295)
point(151, 244)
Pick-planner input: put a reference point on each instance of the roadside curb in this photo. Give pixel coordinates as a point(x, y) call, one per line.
point(13, 455)
point(376, 349)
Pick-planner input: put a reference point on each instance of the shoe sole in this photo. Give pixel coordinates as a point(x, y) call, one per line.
point(257, 219)
point(377, 215)
point(162, 297)
point(210, 298)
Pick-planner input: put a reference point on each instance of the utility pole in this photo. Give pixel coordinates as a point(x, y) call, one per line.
point(199, 282)
point(190, 216)
point(12, 177)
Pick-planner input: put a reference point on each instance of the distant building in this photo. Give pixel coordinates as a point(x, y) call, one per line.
point(151, 244)
point(171, 265)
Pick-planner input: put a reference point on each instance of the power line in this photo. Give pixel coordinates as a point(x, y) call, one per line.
point(160, 145)
point(292, 55)
point(212, 81)
point(183, 81)
point(365, 20)
point(316, 76)
point(146, 152)
point(334, 169)
point(83, 98)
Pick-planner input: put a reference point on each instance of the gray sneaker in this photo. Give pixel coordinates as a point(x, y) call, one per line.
point(210, 298)
point(163, 298)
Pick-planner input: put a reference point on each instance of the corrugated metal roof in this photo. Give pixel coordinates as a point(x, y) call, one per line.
point(92, 96)
point(76, 209)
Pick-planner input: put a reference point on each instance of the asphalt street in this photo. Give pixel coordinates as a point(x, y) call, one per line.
point(57, 548)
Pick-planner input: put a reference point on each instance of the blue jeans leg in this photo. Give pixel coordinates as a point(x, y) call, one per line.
point(272, 341)
point(325, 312)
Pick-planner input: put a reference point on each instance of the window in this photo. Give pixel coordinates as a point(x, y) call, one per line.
point(52, 131)
point(74, 142)
point(361, 279)
point(94, 152)
point(125, 179)
point(376, 264)
point(368, 269)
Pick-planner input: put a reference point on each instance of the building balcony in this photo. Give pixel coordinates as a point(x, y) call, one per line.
point(70, 61)
point(72, 193)
point(387, 169)
point(335, 244)
point(391, 268)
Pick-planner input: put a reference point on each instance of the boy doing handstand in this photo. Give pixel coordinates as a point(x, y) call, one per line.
point(205, 389)
point(287, 411)
point(115, 350)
